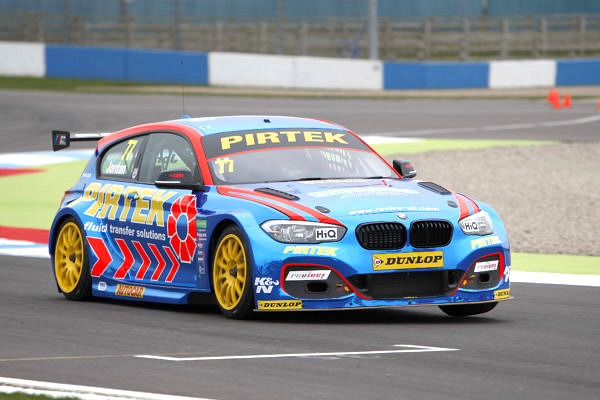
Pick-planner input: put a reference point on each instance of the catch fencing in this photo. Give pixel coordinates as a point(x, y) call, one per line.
point(433, 38)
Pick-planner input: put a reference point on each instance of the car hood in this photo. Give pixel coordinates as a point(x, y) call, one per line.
point(364, 198)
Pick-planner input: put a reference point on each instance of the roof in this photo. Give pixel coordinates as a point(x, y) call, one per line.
point(211, 125)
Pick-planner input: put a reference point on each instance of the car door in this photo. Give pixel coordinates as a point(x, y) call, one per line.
point(165, 219)
point(112, 194)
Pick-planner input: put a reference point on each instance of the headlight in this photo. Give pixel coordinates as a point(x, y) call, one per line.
point(303, 231)
point(477, 224)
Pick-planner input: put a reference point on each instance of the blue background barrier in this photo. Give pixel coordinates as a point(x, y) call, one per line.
point(162, 66)
point(429, 75)
point(578, 72)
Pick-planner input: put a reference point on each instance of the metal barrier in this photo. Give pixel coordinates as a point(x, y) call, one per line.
point(439, 38)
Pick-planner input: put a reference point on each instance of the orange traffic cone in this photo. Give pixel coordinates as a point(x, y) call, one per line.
point(556, 102)
point(599, 104)
point(567, 103)
point(552, 95)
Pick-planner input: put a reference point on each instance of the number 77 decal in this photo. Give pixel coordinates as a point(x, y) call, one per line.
point(129, 149)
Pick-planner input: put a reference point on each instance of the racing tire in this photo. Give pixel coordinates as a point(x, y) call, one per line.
point(231, 273)
point(468, 309)
point(71, 267)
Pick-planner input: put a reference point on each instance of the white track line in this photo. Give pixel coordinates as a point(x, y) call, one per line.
point(11, 385)
point(554, 278)
point(409, 349)
point(37, 158)
point(493, 128)
point(23, 248)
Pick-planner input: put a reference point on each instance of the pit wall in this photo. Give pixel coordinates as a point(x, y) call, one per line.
point(274, 71)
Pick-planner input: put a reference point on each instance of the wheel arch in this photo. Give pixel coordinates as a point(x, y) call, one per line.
point(216, 233)
point(57, 223)
point(244, 305)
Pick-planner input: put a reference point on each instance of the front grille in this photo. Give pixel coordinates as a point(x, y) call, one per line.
point(430, 233)
point(381, 235)
point(399, 285)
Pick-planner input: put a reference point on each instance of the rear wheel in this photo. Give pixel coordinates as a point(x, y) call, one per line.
point(468, 309)
point(232, 274)
point(71, 262)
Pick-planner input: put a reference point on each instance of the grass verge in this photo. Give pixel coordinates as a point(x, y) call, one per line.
point(450, 144)
point(152, 88)
point(62, 85)
point(557, 263)
point(31, 200)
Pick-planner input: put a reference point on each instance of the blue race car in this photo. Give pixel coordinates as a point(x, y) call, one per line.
point(268, 214)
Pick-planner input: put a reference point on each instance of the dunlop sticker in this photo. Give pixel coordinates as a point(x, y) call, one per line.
point(501, 294)
point(279, 304)
point(422, 259)
point(130, 291)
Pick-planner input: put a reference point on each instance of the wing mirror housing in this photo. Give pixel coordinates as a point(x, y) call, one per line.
point(404, 168)
point(179, 179)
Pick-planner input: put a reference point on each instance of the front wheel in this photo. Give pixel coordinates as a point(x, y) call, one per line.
point(232, 274)
point(71, 268)
point(468, 309)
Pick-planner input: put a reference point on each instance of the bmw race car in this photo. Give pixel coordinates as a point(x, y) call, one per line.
point(270, 213)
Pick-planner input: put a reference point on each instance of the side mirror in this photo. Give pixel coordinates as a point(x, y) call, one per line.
point(178, 179)
point(404, 168)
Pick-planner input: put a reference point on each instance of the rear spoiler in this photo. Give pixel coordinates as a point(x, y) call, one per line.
point(62, 139)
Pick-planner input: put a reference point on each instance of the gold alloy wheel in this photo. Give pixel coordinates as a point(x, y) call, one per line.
point(68, 257)
point(229, 272)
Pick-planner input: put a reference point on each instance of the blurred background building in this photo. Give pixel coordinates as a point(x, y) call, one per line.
point(381, 29)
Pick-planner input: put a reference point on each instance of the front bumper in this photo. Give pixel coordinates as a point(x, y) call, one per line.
point(306, 283)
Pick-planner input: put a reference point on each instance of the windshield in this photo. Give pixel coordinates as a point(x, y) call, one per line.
point(277, 156)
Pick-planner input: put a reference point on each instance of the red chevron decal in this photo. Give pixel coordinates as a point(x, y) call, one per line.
point(146, 260)
point(161, 262)
point(127, 260)
point(174, 264)
point(104, 258)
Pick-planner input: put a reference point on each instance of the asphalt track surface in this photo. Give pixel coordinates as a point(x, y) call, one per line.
point(28, 117)
point(543, 344)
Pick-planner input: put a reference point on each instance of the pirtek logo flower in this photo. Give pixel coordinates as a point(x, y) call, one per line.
point(181, 227)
